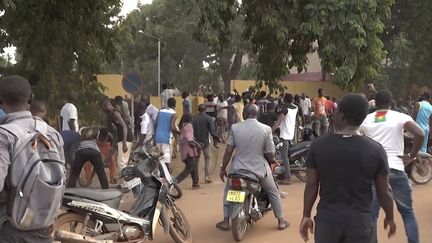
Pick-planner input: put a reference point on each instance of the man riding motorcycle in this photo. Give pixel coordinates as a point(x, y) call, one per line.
point(253, 142)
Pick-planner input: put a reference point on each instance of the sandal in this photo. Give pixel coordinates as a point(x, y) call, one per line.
point(283, 224)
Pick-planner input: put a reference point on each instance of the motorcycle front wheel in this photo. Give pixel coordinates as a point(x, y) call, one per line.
point(180, 229)
point(421, 172)
point(240, 224)
point(74, 223)
point(301, 174)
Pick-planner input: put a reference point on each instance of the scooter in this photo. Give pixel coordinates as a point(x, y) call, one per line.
point(297, 157)
point(94, 213)
point(248, 203)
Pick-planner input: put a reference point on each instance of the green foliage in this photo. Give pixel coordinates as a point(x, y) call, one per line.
point(282, 32)
point(60, 46)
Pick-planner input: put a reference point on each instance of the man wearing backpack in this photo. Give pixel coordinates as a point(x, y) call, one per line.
point(16, 130)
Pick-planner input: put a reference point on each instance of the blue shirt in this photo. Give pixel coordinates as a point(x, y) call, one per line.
point(163, 126)
point(2, 114)
point(423, 115)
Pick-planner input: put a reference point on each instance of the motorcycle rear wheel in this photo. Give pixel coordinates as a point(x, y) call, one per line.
point(180, 229)
point(421, 172)
point(239, 225)
point(175, 191)
point(75, 222)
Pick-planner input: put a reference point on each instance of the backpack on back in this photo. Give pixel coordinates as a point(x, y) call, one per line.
point(36, 178)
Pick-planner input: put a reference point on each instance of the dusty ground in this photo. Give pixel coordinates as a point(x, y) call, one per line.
point(203, 208)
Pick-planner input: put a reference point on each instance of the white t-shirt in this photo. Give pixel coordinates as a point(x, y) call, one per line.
point(305, 105)
point(147, 126)
point(287, 127)
point(68, 112)
point(222, 113)
point(387, 128)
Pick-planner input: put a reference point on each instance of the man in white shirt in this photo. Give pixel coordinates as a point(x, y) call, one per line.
point(387, 127)
point(286, 122)
point(306, 105)
point(69, 115)
point(147, 132)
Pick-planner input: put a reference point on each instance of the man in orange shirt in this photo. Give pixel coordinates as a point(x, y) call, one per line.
point(321, 123)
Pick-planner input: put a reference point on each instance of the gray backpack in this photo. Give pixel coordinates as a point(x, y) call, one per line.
point(36, 178)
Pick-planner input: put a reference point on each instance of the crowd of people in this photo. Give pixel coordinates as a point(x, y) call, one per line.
point(358, 141)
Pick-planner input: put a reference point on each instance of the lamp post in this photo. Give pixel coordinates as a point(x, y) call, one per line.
point(158, 65)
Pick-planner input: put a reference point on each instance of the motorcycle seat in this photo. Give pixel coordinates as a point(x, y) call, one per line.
point(94, 194)
point(297, 147)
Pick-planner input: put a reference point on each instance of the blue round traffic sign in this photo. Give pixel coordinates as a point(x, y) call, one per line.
point(132, 83)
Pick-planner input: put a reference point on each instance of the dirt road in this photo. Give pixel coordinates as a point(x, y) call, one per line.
point(203, 208)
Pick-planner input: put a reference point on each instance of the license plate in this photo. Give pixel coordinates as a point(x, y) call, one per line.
point(236, 196)
point(133, 183)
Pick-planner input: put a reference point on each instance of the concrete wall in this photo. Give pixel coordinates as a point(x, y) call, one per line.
point(155, 100)
point(295, 87)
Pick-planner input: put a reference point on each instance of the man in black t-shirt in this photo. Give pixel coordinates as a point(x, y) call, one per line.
point(344, 166)
point(269, 117)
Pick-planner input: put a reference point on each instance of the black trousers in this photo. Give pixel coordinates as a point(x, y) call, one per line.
point(94, 157)
point(8, 234)
point(190, 168)
point(336, 233)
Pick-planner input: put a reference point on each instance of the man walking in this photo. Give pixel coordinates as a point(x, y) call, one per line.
point(343, 166)
point(286, 122)
point(15, 96)
point(306, 105)
point(253, 143)
point(166, 129)
point(320, 115)
point(387, 127)
point(124, 135)
point(204, 125)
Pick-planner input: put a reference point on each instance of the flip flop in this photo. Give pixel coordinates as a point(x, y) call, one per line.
point(283, 225)
point(222, 226)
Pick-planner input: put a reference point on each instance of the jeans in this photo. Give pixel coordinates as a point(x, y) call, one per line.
point(285, 158)
point(402, 193)
point(207, 153)
point(11, 235)
point(321, 125)
point(95, 158)
point(424, 146)
point(333, 233)
point(191, 168)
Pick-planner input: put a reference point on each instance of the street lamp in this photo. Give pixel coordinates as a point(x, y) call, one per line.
point(158, 71)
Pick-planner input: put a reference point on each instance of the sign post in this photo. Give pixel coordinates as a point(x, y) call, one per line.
point(133, 84)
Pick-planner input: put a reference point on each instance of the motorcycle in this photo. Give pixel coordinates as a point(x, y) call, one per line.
point(297, 157)
point(248, 203)
point(94, 213)
point(420, 170)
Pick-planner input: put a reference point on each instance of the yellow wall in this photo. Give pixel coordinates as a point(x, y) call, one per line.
point(113, 85)
point(155, 100)
point(295, 87)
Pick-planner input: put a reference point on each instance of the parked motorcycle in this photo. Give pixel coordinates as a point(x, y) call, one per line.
point(420, 170)
point(94, 213)
point(248, 203)
point(297, 157)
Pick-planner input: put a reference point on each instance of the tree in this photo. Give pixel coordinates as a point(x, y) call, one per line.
point(282, 33)
point(61, 45)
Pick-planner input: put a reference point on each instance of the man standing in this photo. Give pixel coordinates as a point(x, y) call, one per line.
point(69, 114)
point(320, 114)
point(253, 143)
point(387, 127)
point(124, 135)
point(305, 104)
point(123, 106)
point(286, 123)
point(343, 166)
point(15, 96)
point(422, 115)
point(166, 129)
point(204, 125)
